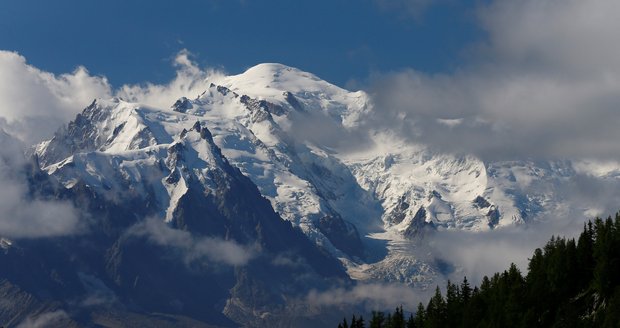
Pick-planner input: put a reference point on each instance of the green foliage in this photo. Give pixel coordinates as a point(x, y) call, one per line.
point(568, 284)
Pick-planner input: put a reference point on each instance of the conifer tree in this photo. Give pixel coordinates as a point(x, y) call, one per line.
point(568, 284)
point(377, 320)
point(420, 316)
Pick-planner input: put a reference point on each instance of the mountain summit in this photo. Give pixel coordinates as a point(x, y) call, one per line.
point(230, 206)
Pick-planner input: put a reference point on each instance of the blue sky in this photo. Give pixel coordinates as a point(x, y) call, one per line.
point(132, 41)
point(515, 78)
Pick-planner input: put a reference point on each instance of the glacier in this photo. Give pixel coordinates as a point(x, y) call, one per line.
point(366, 196)
point(274, 164)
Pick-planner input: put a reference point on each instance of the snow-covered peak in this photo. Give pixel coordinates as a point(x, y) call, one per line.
point(270, 79)
point(294, 88)
point(264, 121)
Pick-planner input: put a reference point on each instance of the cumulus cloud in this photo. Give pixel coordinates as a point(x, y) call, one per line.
point(544, 84)
point(194, 248)
point(34, 103)
point(20, 215)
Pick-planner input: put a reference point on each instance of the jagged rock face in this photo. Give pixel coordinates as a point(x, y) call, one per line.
point(292, 100)
point(419, 226)
point(399, 213)
point(234, 165)
point(188, 185)
point(104, 125)
point(182, 105)
point(481, 202)
point(342, 234)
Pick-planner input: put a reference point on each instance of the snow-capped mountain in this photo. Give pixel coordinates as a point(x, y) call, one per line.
point(288, 131)
point(242, 168)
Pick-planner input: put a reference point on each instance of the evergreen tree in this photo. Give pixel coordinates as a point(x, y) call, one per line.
point(420, 316)
point(398, 319)
point(453, 305)
point(436, 310)
point(377, 320)
point(410, 322)
point(465, 290)
point(568, 284)
point(360, 322)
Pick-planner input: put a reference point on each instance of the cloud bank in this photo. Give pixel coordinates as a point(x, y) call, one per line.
point(545, 84)
point(476, 254)
point(370, 297)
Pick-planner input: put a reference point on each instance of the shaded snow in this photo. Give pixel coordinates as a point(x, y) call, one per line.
point(379, 187)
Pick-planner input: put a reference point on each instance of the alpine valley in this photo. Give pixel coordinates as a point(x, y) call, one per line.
point(230, 207)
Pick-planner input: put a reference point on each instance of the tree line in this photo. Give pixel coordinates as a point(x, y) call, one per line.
point(568, 283)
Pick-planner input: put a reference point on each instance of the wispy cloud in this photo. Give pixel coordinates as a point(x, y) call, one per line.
point(194, 248)
point(369, 297)
point(48, 319)
point(190, 81)
point(21, 216)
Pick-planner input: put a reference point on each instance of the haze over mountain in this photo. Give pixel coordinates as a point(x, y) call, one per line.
point(270, 196)
point(254, 199)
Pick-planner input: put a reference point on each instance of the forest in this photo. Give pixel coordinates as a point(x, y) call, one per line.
point(568, 283)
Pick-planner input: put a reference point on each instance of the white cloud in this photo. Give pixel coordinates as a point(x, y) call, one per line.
point(20, 215)
point(559, 36)
point(479, 254)
point(370, 297)
point(194, 248)
point(47, 319)
point(190, 81)
point(545, 84)
point(34, 103)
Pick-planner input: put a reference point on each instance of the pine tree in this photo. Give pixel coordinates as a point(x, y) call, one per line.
point(420, 316)
point(568, 284)
point(465, 290)
point(377, 320)
point(436, 310)
point(360, 322)
point(410, 322)
point(398, 319)
point(453, 305)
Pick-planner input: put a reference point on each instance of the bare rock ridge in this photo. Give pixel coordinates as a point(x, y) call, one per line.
point(229, 208)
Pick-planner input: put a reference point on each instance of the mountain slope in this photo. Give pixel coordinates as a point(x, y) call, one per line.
point(202, 210)
point(172, 226)
point(358, 194)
